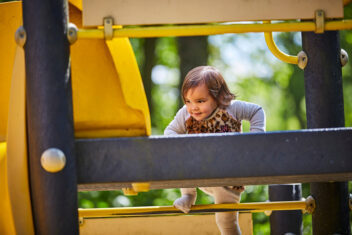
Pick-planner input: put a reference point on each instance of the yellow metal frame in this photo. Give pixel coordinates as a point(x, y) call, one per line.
point(243, 207)
point(213, 29)
point(202, 30)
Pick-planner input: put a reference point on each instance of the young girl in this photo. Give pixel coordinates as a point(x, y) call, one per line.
point(210, 108)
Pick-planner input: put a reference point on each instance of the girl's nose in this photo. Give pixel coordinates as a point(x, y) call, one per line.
point(195, 107)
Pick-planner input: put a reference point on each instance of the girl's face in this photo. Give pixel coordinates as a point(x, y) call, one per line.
point(200, 104)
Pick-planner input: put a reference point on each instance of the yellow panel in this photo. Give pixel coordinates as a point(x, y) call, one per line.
point(6, 217)
point(108, 99)
point(10, 20)
point(17, 174)
point(76, 3)
point(131, 81)
point(140, 12)
point(170, 225)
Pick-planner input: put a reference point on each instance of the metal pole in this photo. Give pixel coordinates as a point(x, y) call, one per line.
point(324, 104)
point(285, 222)
point(49, 115)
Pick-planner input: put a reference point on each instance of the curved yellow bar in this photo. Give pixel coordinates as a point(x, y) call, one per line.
point(152, 210)
point(14, 184)
point(204, 30)
point(7, 225)
point(276, 51)
point(17, 164)
point(11, 18)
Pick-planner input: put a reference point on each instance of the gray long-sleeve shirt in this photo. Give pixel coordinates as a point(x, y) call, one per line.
point(239, 110)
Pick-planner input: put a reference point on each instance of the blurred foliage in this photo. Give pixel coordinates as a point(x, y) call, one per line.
point(276, 86)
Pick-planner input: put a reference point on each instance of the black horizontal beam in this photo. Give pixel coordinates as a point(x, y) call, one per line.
point(216, 159)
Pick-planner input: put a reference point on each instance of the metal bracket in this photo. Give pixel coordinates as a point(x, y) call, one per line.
point(140, 187)
point(319, 21)
point(129, 192)
point(108, 31)
point(80, 221)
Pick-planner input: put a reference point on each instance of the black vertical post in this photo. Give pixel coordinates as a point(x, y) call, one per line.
point(324, 104)
point(49, 115)
point(285, 222)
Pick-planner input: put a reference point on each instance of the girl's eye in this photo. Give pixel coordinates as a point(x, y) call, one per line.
point(187, 101)
point(200, 101)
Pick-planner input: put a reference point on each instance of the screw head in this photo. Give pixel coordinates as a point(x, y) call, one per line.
point(53, 160)
point(72, 33)
point(343, 57)
point(302, 59)
point(20, 36)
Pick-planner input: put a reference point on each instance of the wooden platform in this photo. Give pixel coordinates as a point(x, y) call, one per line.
point(170, 225)
point(141, 12)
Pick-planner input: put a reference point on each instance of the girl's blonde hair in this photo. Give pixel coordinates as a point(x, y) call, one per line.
point(214, 81)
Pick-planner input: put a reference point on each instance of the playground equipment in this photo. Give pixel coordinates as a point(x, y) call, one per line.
point(109, 101)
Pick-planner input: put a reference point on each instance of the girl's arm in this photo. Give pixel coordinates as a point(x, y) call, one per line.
point(250, 112)
point(177, 126)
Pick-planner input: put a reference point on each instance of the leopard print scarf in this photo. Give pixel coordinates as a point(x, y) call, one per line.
point(220, 121)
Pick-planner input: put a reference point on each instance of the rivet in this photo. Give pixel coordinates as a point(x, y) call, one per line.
point(343, 57)
point(302, 59)
point(72, 33)
point(310, 204)
point(21, 36)
point(53, 160)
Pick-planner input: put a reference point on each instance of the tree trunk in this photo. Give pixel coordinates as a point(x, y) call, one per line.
point(193, 52)
point(149, 62)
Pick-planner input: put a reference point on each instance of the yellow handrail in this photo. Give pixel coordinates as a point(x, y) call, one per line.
point(154, 210)
point(213, 29)
point(276, 51)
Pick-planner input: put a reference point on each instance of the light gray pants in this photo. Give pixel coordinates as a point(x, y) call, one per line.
point(227, 222)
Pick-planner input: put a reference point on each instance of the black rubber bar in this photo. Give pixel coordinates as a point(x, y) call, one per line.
point(325, 108)
point(215, 159)
point(285, 222)
point(50, 119)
